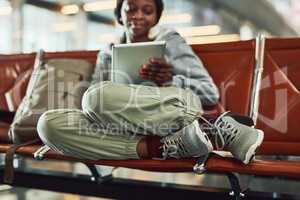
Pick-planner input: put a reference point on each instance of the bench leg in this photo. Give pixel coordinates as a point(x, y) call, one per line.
point(236, 192)
point(100, 174)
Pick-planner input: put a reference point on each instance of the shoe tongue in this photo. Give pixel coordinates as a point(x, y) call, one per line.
point(237, 117)
point(241, 119)
point(213, 118)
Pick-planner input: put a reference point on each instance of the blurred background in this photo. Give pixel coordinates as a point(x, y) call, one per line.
point(59, 25)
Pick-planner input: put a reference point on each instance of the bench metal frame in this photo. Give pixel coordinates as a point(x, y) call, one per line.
point(121, 188)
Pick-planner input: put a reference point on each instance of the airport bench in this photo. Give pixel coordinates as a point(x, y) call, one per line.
point(258, 78)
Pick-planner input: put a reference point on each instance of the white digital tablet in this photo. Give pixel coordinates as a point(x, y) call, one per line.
point(128, 58)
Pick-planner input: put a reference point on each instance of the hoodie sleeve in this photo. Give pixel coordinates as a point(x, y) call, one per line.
point(189, 70)
point(103, 65)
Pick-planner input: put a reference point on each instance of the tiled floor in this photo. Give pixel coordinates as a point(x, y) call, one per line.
point(30, 194)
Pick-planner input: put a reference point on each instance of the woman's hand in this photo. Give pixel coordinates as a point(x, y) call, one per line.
point(157, 70)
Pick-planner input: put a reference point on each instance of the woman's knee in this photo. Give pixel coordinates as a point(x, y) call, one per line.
point(46, 126)
point(92, 96)
point(100, 97)
point(63, 127)
point(53, 124)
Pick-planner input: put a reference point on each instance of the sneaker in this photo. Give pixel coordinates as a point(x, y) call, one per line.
point(188, 142)
point(241, 140)
point(248, 121)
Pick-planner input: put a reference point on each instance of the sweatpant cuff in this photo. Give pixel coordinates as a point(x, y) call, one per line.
point(131, 148)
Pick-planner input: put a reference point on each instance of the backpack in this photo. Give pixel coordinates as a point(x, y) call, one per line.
point(54, 83)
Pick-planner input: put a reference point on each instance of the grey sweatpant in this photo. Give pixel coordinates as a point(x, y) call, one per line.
point(115, 117)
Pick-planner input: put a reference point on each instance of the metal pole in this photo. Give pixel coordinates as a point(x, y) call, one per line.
point(17, 28)
point(259, 62)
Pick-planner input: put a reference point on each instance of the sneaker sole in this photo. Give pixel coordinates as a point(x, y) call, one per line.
point(251, 152)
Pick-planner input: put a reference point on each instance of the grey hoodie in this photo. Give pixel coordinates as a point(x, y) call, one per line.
point(189, 71)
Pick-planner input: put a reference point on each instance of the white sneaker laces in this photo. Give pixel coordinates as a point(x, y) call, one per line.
point(223, 131)
point(173, 147)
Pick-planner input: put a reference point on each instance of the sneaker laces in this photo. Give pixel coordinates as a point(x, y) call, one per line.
point(223, 131)
point(173, 147)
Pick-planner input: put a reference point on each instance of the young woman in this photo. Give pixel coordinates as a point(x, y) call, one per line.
point(117, 120)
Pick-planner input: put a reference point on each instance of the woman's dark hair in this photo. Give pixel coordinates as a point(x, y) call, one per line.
point(159, 8)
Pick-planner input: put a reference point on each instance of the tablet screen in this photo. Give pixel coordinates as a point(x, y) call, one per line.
point(128, 58)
